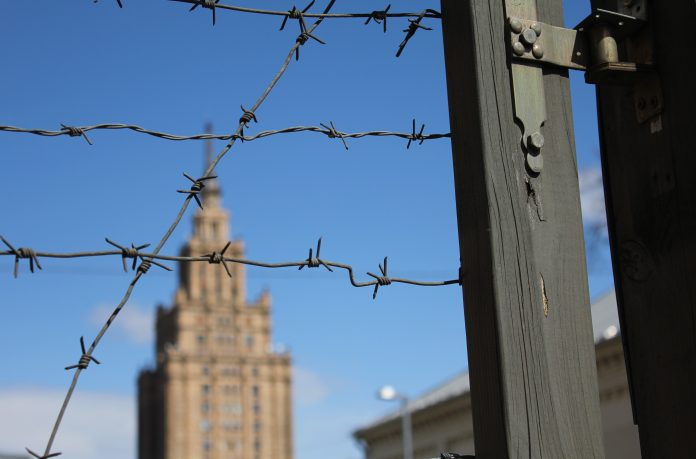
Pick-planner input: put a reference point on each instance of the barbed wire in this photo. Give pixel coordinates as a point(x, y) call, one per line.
point(136, 253)
point(141, 262)
point(378, 16)
point(147, 262)
point(329, 131)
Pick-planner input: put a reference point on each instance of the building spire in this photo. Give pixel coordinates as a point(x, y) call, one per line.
point(211, 192)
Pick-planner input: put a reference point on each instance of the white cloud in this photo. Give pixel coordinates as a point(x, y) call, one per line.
point(309, 388)
point(592, 197)
point(133, 323)
point(95, 425)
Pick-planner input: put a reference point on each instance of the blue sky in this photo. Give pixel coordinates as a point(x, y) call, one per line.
point(154, 64)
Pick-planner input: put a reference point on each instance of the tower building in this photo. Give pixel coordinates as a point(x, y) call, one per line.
point(218, 389)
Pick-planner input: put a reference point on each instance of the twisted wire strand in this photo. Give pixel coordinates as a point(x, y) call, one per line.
point(206, 258)
point(328, 132)
point(288, 14)
point(147, 262)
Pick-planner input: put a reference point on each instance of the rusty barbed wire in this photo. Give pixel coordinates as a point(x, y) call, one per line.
point(378, 16)
point(294, 13)
point(147, 261)
point(312, 261)
point(329, 131)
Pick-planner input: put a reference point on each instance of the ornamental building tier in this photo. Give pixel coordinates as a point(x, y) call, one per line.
point(218, 389)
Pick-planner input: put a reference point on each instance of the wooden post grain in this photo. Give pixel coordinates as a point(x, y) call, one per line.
point(529, 331)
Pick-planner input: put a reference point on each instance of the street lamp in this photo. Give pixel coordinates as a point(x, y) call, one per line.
point(388, 393)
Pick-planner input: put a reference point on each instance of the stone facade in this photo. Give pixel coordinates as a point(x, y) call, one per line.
point(218, 390)
point(442, 419)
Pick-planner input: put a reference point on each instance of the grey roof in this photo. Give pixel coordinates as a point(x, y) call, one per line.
point(605, 325)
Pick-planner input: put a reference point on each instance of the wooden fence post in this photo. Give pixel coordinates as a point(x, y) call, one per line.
point(648, 150)
point(529, 331)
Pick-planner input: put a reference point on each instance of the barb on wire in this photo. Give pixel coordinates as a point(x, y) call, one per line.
point(146, 264)
point(415, 136)
point(245, 119)
point(294, 13)
point(381, 280)
point(128, 252)
point(83, 363)
point(73, 131)
point(413, 26)
point(196, 187)
point(380, 17)
point(219, 258)
point(20, 253)
point(333, 133)
point(45, 456)
point(302, 39)
point(313, 262)
point(323, 129)
point(209, 4)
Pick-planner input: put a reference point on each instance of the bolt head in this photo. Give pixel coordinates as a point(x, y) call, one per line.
point(535, 163)
point(536, 27)
point(515, 25)
point(537, 51)
point(535, 141)
point(518, 48)
point(528, 37)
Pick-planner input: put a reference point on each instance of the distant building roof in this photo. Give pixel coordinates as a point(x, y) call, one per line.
point(605, 325)
point(13, 456)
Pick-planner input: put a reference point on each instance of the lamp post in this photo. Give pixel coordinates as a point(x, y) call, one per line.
point(388, 393)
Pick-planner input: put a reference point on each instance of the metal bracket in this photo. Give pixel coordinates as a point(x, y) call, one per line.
point(528, 85)
point(592, 46)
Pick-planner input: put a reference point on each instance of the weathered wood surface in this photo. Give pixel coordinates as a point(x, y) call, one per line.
point(529, 331)
point(650, 186)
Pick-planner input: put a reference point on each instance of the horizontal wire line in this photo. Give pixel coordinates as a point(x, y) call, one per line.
point(242, 261)
point(241, 9)
point(262, 134)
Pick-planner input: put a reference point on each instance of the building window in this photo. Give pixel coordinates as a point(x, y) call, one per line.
point(257, 408)
point(205, 389)
point(254, 371)
point(201, 340)
point(231, 390)
point(206, 371)
point(255, 391)
point(206, 445)
point(249, 340)
point(230, 371)
point(205, 425)
point(232, 408)
point(257, 444)
point(205, 407)
point(257, 427)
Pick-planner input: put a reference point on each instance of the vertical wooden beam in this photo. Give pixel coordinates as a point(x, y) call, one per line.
point(650, 187)
point(529, 332)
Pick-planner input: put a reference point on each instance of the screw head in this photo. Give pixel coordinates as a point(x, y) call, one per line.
point(518, 48)
point(528, 37)
point(536, 27)
point(515, 25)
point(535, 163)
point(535, 141)
point(537, 51)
